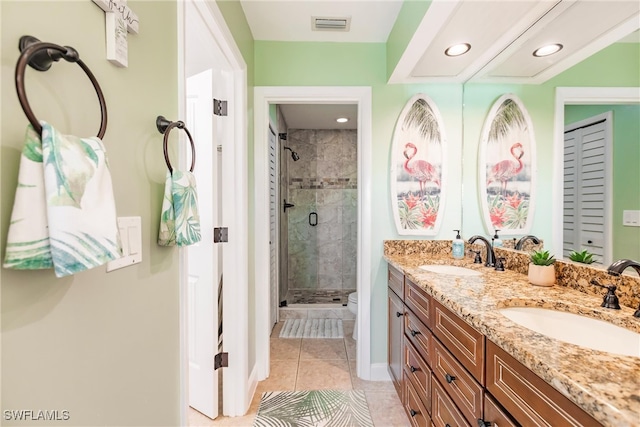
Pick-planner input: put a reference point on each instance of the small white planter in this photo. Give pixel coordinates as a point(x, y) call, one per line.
point(542, 275)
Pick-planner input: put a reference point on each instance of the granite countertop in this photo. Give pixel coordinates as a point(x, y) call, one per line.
point(605, 385)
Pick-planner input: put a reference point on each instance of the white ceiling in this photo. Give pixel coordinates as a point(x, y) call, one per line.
point(290, 20)
point(319, 116)
point(503, 34)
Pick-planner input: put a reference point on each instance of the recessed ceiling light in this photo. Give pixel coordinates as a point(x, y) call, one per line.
point(457, 49)
point(547, 50)
point(342, 120)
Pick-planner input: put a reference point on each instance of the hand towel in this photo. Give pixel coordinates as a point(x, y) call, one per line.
point(64, 213)
point(179, 221)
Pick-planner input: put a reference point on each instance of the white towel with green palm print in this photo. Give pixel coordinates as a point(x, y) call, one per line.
point(179, 221)
point(64, 214)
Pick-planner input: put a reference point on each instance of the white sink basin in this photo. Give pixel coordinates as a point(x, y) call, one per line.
point(450, 269)
point(576, 329)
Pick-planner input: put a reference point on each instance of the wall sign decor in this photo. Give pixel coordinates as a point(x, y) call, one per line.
point(418, 168)
point(507, 167)
point(119, 21)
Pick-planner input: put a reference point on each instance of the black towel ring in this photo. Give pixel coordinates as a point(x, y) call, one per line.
point(39, 55)
point(164, 126)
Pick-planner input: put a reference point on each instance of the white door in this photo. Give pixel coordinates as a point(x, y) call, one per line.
point(203, 264)
point(273, 229)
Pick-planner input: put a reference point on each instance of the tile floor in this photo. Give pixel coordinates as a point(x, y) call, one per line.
point(314, 364)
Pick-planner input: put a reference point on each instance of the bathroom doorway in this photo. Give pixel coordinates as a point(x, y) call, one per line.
point(265, 101)
point(318, 178)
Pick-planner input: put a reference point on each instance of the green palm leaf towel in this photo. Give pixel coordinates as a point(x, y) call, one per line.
point(64, 213)
point(179, 221)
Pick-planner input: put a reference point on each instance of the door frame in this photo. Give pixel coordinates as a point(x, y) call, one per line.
point(577, 96)
point(361, 96)
point(236, 393)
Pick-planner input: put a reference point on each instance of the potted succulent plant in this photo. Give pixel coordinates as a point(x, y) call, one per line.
point(542, 271)
point(585, 257)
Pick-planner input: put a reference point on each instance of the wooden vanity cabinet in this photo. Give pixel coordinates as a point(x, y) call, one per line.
point(528, 398)
point(448, 374)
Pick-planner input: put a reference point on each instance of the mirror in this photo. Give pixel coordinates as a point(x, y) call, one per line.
point(546, 104)
point(623, 192)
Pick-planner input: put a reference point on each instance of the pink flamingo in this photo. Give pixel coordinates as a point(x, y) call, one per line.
point(504, 170)
point(421, 170)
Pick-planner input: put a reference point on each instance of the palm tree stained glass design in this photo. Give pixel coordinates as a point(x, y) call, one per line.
point(506, 167)
point(417, 170)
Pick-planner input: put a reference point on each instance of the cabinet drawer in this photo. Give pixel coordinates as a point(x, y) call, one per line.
point(417, 371)
point(418, 301)
point(444, 412)
point(419, 335)
point(459, 384)
point(416, 411)
point(465, 343)
point(528, 398)
point(396, 281)
point(495, 415)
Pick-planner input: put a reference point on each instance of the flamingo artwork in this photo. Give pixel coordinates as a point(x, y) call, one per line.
point(505, 170)
point(421, 170)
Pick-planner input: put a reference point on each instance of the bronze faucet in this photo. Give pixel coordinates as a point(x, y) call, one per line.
point(491, 257)
point(619, 266)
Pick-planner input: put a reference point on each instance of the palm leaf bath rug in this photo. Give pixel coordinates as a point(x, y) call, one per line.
point(312, 328)
point(313, 408)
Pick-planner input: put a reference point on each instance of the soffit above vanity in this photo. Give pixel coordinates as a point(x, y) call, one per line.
point(504, 34)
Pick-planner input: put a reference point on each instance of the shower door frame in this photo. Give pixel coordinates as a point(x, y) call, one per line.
point(360, 96)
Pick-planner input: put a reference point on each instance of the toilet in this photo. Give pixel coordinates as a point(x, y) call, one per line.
point(352, 305)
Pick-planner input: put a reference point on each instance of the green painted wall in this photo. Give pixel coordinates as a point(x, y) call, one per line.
point(409, 18)
point(360, 64)
point(104, 347)
point(626, 173)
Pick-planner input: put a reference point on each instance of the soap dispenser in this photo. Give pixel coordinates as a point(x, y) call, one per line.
point(457, 248)
point(497, 241)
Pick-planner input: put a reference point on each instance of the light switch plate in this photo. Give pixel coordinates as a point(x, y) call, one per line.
point(631, 218)
point(131, 237)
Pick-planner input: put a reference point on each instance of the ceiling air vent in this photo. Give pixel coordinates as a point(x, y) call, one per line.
point(330, 24)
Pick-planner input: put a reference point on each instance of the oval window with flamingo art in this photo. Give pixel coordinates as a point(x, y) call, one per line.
point(507, 168)
point(417, 168)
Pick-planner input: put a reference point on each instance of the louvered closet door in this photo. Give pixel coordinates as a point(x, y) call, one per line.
point(273, 218)
point(585, 184)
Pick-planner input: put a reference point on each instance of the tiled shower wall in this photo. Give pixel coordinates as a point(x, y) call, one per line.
point(322, 258)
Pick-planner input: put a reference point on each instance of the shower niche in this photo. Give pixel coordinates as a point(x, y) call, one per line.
point(318, 234)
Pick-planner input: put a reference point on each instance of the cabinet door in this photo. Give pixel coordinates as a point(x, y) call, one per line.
point(395, 340)
point(529, 399)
